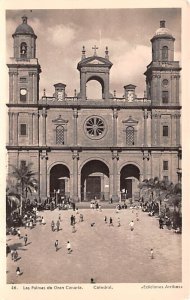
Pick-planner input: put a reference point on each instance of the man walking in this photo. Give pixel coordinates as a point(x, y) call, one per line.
point(56, 245)
point(58, 224)
point(25, 239)
point(52, 225)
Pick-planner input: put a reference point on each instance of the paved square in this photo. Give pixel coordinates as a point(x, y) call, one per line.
point(107, 254)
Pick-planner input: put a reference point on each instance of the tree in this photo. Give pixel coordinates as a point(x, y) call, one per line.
point(26, 181)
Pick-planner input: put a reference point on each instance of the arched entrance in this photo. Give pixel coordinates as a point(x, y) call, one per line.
point(95, 88)
point(59, 180)
point(94, 181)
point(129, 179)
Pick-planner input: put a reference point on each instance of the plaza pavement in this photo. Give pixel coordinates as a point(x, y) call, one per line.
point(107, 254)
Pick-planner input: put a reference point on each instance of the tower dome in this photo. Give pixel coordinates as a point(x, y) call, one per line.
point(24, 28)
point(162, 31)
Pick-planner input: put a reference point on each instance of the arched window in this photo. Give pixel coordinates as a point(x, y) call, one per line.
point(23, 50)
point(165, 53)
point(130, 135)
point(60, 135)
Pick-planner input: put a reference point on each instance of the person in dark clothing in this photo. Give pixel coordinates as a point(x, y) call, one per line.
point(25, 239)
point(161, 223)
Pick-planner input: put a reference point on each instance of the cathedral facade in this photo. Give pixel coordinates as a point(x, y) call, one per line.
point(86, 148)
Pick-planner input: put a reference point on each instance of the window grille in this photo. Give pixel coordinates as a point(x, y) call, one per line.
point(60, 135)
point(130, 134)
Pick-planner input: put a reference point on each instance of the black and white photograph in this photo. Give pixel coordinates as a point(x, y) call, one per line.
point(94, 147)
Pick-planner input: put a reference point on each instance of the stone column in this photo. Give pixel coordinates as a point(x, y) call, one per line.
point(172, 130)
point(106, 86)
point(75, 157)
point(30, 129)
point(10, 87)
point(145, 126)
point(10, 128)
point(83, 86)
point(75, 116)
point(158, 90)
point(177, 88)
point(15, 87)
point(115, 158)
point(43, 174)
point(178, 138)
point(172, 89)
point(44, 115)
point(158, 129)
point(154, 88)
point(115, 116)
point(35, 88)
point(35, 128)
point(15, 129)
point(30, 96)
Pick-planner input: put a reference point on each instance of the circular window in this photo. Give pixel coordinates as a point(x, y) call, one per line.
point(165, 82)
point(95, 127)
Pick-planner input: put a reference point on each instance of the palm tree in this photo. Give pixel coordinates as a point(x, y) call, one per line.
point(25, 181)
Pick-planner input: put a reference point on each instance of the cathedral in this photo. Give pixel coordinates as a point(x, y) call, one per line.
point(85, 148)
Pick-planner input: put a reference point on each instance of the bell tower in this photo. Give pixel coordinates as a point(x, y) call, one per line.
point(162, 75)
point(24, 68)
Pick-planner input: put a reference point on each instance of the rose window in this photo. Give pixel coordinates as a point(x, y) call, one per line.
point(95, 127)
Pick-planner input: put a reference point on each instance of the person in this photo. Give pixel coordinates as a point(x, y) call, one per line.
point(57, 225)
point(137, 216)
point(43, 221)
point(31, 224)
point(12, 254)
point(19, 233)
point(105, 220)
point(111, 222)
point(25, 239)
point(118, 221)
point(59, 217)
point(8, 250)
point(161, 223)
point(56, 245)
point(69, 247)
point(151, 253)
point(77, 211)
point(52, 225)
point(131, 224)
point(100, 208)
point(72, 220)
point(15, 255)
point(81, 218)
point(17, 271)
point(92, 280)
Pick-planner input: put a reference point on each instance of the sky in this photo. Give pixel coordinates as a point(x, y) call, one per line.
point(62, 33)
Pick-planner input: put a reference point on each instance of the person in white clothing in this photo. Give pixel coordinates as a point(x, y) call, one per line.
point(131, 224)
point(69, 247)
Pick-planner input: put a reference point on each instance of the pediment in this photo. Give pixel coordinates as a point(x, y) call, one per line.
point(95, 61)
point(130, 121)
point(60, 120)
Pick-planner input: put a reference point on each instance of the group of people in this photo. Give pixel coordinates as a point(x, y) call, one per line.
point(55, 226)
